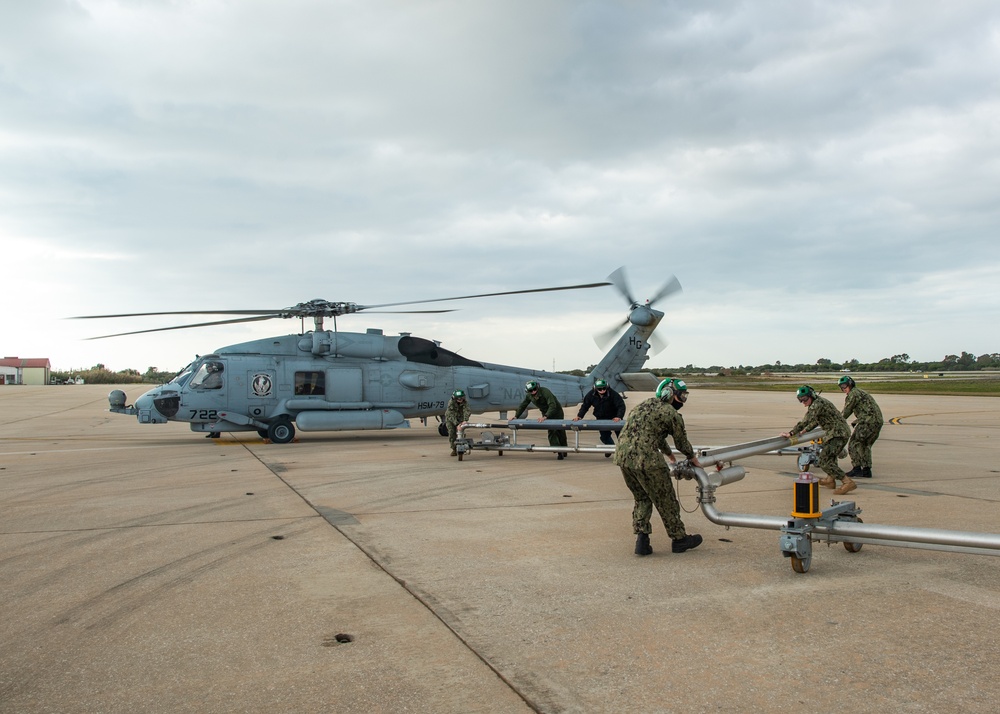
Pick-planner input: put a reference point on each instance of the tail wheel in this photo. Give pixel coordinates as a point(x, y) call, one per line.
point(281, 431)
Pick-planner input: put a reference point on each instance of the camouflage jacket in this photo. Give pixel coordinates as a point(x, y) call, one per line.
point(861, 404)
point(609, 406)
point(546, 403)
point(457, 412)
point(643, 440)
point(824, 414)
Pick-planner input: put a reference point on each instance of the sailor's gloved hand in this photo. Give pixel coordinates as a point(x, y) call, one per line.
point(684, 470)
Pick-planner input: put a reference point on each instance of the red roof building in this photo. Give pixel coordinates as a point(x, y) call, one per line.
point(14, 370)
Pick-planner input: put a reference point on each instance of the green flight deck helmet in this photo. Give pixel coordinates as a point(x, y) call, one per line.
point(805, 392)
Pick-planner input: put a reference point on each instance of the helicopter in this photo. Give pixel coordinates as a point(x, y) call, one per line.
point(328, 380)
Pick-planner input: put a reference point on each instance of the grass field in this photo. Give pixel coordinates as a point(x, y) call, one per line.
point(980, 385)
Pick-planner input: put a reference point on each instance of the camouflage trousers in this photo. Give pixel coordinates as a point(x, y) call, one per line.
point(557, 437)
point(451, 424)
point(860, 445)
point(652, 487)
point(828, 457)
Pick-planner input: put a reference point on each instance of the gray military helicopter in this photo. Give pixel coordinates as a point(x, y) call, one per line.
point(327, 380)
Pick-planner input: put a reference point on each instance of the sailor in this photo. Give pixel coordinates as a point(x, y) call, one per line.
point(607, 404)
point(822, 413)
point(642, 444)
point(456, 412)
point(545, 401)
point(867, 426)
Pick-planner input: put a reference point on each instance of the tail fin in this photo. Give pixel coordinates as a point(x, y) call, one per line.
point(630, 352)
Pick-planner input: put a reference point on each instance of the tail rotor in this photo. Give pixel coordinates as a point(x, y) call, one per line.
point(639, 314)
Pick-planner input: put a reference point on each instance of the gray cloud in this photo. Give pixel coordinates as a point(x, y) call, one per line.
point(831, 164)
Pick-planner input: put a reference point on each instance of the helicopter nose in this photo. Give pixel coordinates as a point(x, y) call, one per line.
point(148, 409)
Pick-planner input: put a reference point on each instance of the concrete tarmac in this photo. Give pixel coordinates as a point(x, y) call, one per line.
point(146, 568)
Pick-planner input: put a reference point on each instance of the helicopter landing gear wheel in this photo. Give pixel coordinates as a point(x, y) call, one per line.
point(853, 547)
point(263, 433)
point(281, 430)
point(801, 565)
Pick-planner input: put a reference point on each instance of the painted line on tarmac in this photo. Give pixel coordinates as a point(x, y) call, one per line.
point(70, 451)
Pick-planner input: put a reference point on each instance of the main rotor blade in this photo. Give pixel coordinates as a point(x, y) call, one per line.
point(410, 312)
point(269, 313)
point(307, 309)
point(184, 327)
point(482, 295)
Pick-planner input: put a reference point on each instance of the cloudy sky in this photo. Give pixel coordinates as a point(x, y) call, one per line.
point(822, 177)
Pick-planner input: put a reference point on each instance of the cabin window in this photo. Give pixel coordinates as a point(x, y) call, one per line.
point(310, 383)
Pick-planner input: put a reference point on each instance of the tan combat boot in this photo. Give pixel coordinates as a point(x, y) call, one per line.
point(828, 481)
point(846, 487)
point(454, 452)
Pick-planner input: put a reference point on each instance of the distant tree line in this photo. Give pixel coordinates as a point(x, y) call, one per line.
point(99, 374)
point(965, 362)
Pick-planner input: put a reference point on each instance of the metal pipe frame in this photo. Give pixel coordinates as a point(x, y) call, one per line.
point(833, 530)
point(722, 454)
point(514, 425)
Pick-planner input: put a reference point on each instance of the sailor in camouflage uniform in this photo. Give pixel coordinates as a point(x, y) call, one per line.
point(550, 408)
point(642, 444)
point(822, 413)
point(867, 426)
point(456, 412)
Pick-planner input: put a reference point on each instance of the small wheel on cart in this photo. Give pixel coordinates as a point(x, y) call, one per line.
point(853, 547)
point(460, 455)
point(801, 565)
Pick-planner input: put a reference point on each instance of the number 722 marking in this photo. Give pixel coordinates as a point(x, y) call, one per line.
point(204, 414)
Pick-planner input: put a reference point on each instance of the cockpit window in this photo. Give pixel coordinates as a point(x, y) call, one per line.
point(182, 376)
point(208, 376)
